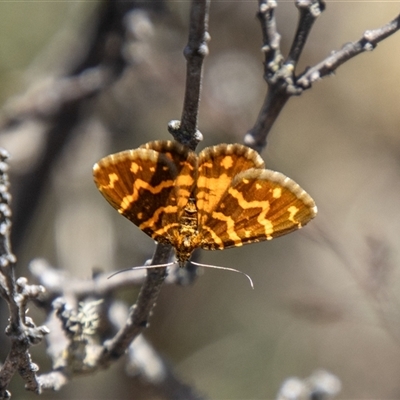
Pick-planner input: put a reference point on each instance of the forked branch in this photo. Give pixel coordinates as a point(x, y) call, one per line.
point(280, 75)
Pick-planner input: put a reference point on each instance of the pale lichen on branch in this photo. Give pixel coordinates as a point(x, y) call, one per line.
point(22, 331)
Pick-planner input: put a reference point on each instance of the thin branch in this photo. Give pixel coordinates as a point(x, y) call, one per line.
point(274, 102)
point(309, 10)
point(140, 312)
point(368, 42)
point(21, 329)
point(7, 258)
point(280, 76)
point(185, 131)
point(271, 37)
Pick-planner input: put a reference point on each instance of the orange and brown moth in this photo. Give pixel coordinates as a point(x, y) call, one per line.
point(218, 199)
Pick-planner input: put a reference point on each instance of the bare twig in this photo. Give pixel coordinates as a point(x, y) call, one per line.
point(280, 75)
point(140, 312)
point(185, 131)
point(271, 37)
point(368, 42)
point(21, 329)
point(309, 11)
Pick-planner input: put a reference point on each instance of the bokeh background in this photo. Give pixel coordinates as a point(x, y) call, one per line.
point(326, 296)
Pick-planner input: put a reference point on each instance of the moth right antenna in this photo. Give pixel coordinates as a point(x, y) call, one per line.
point(225, 269)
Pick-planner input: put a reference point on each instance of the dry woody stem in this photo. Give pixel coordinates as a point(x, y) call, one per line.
point(21, 330)
point(280, 74)
point(185, 131)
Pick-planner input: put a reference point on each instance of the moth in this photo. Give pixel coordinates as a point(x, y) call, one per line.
point(221, 198)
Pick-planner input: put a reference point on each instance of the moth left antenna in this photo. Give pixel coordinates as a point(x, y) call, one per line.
point(143, 267)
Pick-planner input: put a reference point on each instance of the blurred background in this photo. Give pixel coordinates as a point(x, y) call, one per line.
point(325, 297)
